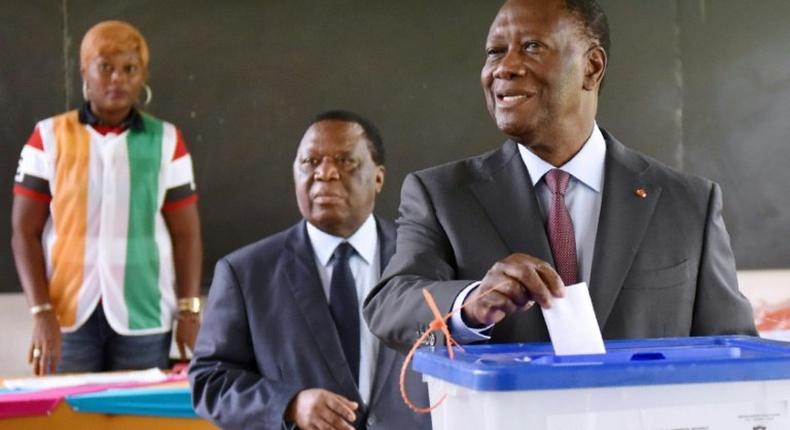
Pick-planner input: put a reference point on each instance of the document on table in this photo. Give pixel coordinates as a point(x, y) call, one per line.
point(152, 375)
point(572, 324)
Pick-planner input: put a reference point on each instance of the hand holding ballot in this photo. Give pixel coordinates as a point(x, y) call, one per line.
point(519, 280)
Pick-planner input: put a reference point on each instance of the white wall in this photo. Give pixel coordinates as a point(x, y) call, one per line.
point(16, 324)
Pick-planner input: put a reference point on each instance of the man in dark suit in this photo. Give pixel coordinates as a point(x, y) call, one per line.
point(561, 202)
point(283, 343)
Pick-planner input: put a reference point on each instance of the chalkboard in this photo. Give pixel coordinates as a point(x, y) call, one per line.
point(702, 85)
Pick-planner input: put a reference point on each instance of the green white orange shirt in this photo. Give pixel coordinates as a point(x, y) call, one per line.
point(106, 240)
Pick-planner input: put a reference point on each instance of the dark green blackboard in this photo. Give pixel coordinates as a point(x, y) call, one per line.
point(701, 85)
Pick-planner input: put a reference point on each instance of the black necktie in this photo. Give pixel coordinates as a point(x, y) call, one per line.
point(344, 306)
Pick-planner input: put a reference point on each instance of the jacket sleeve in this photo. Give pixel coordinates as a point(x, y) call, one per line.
point(227, 386)
point(719, 307)
point(395, 310)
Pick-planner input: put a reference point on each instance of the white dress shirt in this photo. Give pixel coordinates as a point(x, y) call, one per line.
point(583, 200)
point(365, 268)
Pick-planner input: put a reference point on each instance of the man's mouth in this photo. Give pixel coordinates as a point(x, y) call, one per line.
point(511, 98)
point(327, 198)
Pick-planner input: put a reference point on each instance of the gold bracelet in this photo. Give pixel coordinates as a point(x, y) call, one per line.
point(189, 304)
point(37, 309)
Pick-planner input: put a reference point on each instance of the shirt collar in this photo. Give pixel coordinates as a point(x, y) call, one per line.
point(132, 121)
point(364, 241)
point(587, 165)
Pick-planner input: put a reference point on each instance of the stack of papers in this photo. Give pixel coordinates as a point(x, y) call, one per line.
point(150, 376)
point(40, 395)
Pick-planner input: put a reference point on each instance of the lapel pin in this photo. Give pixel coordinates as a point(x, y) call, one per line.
point(641, 192)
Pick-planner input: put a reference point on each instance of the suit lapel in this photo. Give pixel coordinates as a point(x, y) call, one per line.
point(508, 197)
point(516, 217)
point(622, 224)
point(386, 232)
point(305, 283)
point(385, 360)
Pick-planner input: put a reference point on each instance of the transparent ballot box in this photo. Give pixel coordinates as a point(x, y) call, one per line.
point(697, 383)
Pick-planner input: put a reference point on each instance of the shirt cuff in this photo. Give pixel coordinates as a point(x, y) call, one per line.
point(462, 333)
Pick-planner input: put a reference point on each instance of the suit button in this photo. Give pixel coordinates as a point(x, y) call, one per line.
point(371, 421)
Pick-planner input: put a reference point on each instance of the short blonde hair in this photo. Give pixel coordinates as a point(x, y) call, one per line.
point(111, 37)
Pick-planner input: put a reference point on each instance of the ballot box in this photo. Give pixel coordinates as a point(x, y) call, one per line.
point(698, 383)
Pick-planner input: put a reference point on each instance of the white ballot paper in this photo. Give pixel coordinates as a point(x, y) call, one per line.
point(152, 375)
point(572, 324)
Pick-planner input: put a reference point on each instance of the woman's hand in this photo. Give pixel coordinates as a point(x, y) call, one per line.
point(44, 354)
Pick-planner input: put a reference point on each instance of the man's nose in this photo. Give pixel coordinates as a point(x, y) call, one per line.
point(327, 169)
point(512, 65)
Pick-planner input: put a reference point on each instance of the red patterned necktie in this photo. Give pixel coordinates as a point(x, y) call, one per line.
point(560, 227)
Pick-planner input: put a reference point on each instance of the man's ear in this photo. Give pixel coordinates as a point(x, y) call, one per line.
point(595, 68)
point(379, 178)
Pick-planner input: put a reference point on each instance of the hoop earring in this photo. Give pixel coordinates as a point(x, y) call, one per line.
point(148, 94)
point(85, 90)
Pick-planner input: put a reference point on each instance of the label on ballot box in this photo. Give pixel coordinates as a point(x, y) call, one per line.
point(699, 383)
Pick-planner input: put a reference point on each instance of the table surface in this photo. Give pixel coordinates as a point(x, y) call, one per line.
point(63, 417)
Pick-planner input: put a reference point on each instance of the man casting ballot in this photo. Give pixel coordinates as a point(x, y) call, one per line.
point(562, 201)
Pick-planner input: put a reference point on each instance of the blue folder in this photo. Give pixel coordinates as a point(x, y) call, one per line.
point(161, 402)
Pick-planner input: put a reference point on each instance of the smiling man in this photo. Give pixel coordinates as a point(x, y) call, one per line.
point(562, 201)
point(283, 342)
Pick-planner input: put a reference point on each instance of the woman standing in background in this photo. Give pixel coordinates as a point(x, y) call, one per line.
point(106, 233)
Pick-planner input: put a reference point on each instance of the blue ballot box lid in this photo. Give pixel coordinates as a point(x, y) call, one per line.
point(533, 366)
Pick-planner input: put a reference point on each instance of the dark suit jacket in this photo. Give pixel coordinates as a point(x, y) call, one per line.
point(662, 266)
point(267, 334)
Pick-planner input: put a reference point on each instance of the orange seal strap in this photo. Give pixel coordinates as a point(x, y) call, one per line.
point(439, 323)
